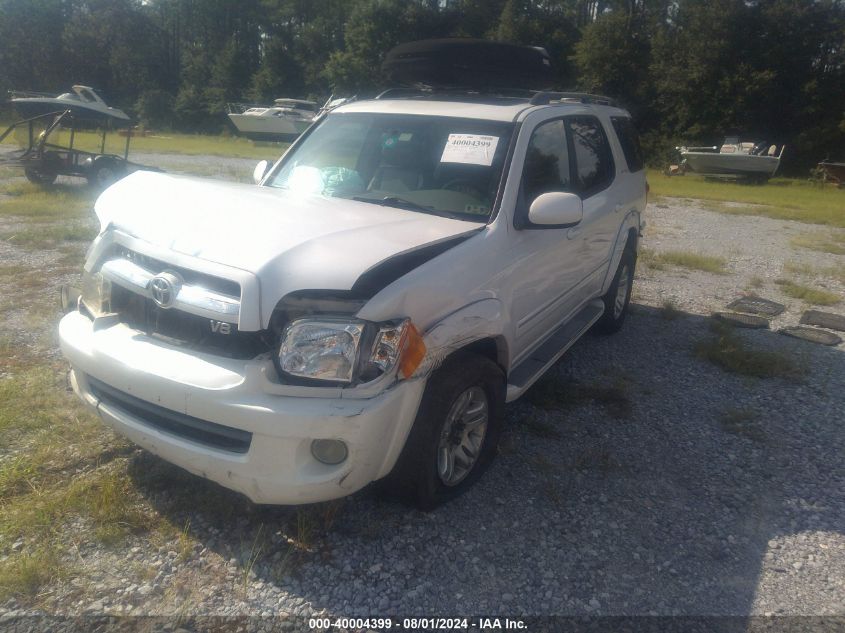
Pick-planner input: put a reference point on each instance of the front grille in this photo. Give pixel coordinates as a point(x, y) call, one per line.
point(172, 422)
point(186, 330)
point(190, 277)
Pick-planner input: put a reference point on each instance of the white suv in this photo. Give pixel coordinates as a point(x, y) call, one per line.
point(411, 264)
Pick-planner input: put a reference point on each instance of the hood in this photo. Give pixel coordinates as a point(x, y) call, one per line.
point(294, 241)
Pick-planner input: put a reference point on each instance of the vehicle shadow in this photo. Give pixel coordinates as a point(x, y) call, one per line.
point(637, 478)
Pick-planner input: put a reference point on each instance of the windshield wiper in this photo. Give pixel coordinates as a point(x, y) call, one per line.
point(402, 203)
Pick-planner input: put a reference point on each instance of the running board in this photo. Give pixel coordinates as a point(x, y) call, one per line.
point(528, 371)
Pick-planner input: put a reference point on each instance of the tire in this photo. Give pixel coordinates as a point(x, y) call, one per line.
point(43, 177)
point(422, 475)
point(103, 173)
point(618, 296)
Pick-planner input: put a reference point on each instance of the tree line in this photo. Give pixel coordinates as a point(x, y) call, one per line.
point(690, 71)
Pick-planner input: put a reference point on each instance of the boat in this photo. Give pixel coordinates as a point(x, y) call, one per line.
point(734, 159)
point(283, 121)
point(83, 102)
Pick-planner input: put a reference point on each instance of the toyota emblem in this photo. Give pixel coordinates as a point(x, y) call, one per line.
point(164, 288)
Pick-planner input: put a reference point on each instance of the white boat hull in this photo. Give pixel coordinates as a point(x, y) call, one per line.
point(269, 127)
point(737, 164)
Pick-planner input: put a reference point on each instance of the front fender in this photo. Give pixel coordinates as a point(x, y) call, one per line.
point(482, 319)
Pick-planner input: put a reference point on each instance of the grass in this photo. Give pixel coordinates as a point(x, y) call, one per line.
point(36, 204)
point(548, 393)
point(49, 217)
point(807, 270)
point(813, 296)
point(597, 459)
point(63, 476)
point(744, 423)
point(781, 198)
point(171, 143)
point(51, 235)
point(821, 242)
point(186, 543)
point(669, 311)
point(756, 282)
point(65, 480)
point(253, 556)
point(683, 259)
point(540, 428)
point(24, 575)
point(728, 352)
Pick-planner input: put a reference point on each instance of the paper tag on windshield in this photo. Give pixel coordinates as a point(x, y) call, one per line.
point(470, 149)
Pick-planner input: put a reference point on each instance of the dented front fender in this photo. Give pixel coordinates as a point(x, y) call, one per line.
point(482, 319)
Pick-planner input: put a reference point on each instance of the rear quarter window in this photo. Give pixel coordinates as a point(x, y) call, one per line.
point(594, 168)
point(630, 142)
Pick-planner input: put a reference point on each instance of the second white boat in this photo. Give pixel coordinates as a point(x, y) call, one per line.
point(757, 161)
point(283, 121)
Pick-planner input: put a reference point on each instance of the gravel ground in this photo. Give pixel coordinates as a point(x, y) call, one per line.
point(649, 504)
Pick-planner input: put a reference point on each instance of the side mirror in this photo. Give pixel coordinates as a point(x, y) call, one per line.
point(259, 171)
point(556, 208)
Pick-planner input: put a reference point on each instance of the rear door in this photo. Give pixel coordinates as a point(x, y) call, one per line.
point(631, 171)
point(594, 180)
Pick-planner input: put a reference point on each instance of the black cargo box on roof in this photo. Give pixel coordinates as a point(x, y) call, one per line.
point(468, 63)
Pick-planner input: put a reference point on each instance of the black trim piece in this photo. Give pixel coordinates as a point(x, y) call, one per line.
point(506, 168)
point(605, 184)
point(186, 330)
point(386, 272)
point(172, 422)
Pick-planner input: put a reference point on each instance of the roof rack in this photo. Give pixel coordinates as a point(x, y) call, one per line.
point(426, 91)
point(533, 97)
point(546, 97)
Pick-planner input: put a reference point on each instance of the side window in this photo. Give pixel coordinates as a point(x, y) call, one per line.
point(630, 142)
point(546, 161)
point(592, 153)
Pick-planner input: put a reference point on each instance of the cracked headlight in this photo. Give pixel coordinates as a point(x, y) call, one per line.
point(348, 351)
point(321, 350)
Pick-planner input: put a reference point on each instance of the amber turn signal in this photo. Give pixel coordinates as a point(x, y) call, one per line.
point(413, 352)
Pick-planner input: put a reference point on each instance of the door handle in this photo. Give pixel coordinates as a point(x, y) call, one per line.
point(574, 232)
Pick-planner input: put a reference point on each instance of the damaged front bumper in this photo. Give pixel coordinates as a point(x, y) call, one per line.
point(230, 420)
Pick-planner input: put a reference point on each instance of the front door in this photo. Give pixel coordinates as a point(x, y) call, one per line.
point(545, 259)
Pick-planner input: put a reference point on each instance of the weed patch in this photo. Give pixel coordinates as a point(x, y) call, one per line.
point(820, 242)
point(683, 259)
point(744, 423)
point(597, 459)
point(540, 428)
point(51, 235)
point(814, 296)
point(669, 311)
point(829, 272)
point(728, 352)
point(36, 204)
point(23, 575)
point(548, 393)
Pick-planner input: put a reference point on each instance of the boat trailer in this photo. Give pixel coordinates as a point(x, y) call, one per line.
point(43, 161)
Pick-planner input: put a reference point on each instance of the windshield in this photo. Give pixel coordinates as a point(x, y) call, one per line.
point(439, 165)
